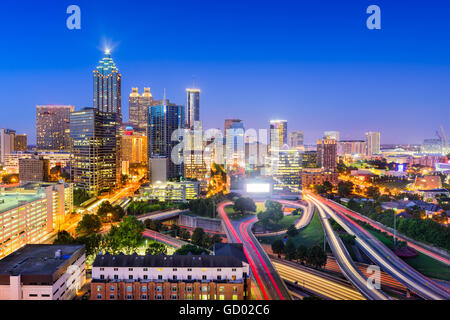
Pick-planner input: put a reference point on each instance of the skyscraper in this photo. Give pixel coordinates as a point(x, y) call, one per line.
point(296, 140)
point(373, 143)
point(327, 154)
point(6, 143)
point(278, 134)
point(107, 86)
point(20, 142)
point(234, 144)
point(96, 150)
point(138, 108)
point(287, 170)
point(194, 162)
point(332, 135)
point(53, 127)
point(164, 118)
point(193, 107)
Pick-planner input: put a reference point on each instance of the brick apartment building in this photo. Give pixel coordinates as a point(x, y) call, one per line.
point(222, 276)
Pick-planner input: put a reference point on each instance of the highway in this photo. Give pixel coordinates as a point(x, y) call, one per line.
point(167, 240)
point(379, 226)
point(305, 218)
point(385, 258)
point(348, 267)
point(271, 285)
point(161, 215)
point(316, 282)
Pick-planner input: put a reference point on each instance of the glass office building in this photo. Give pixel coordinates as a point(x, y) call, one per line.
point(96, 150)
point(107, 86)
point(164, 119)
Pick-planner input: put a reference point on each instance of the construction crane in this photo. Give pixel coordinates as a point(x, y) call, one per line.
point(444, 137)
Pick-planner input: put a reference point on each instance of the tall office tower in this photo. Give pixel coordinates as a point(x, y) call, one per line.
point(194, 163)
point(327, 154)
point(53, 127)
point(20, 142)
point(138, 108)
point(107, 86)
point(234, 144)
point(331, 135)
point(287, 170)
point(296, 140)
point(96, 150)
point(164, 118)
point(6, 143)
point(373, 143)
point(278, 134)
point(193, 107)
point(351, 147)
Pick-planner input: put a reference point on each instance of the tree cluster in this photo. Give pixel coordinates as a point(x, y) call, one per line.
point(272, 215)
point(313, 256)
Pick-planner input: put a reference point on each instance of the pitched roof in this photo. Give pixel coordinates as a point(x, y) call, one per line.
point(164, 261)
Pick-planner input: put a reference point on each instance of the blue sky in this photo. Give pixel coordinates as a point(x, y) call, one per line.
point(313, 63)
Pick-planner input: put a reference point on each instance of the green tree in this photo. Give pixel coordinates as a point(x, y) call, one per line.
point(127, 237)
point(345, 188)
point(189, 248)
point(278, 247)
point(243, 205)
point(80, 196)
point(105, 211)
point(198, 237)
point(292, 231)
point(89, 224)
point(301, 253)
point(373, 192)
point(184, 234)
point(316, 257)
point(63, 237)
point(290, 249)
point(156, 248)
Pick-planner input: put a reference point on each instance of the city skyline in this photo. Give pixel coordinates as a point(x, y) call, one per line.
point(360, 83)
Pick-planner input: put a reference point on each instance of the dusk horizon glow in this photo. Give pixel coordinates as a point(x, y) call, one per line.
point(315, 65)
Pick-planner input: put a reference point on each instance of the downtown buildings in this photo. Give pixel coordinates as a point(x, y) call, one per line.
point(193, 107)
point(165, 130)
point(96, 150)
point(373, 143)
point(95, 133)
point(53, 127)
point(138, 109)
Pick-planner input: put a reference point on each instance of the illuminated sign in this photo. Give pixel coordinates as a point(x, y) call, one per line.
point(258, 187)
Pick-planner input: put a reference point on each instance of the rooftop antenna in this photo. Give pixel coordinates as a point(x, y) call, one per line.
point(164, 99)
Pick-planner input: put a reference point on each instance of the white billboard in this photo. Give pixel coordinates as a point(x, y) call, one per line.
point(258, 187)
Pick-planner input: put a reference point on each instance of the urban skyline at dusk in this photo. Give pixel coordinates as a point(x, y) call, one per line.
point(242, 151)
point(326, 73)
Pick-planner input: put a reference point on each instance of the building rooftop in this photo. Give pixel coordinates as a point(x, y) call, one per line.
point(230, 249)
point(11, 201)
point(164, 261)
point(37, 259)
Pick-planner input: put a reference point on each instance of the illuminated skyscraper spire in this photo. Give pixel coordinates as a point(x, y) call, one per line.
point(107, 86)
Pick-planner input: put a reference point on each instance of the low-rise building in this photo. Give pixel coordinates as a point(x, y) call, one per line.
point(177, 277)
point(43, 272)
point(311, 177)
point(182, 191)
